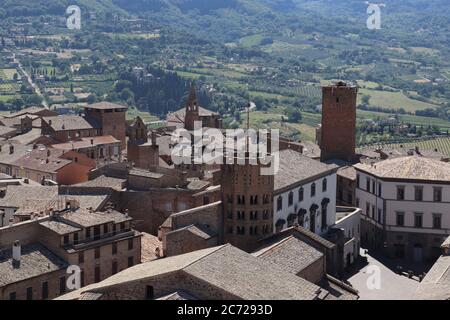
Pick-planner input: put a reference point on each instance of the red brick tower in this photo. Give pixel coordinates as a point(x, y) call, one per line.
point(111, 119)
point(247, 198)
point(338, 131)
point(192, 112)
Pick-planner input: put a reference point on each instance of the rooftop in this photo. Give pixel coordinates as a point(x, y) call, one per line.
point(347, 172)
point(106, 106)
point(18, 151)
point(104, 181)
point(179, 115)
point(291, 254)
point(411, 167)
point(35, 260)
point(29, 110)
point(178, 295)
point(28, 138)
point(17, 196)
point(6, 130)
point(42, 159)
point(85, 218)
point(146, 174)
point(149, 246)
point(234, 271)
point(295, 168)
point(436, 284)
point(69, 122)
point(58, 227)
point(311, 149)
point(86, 143)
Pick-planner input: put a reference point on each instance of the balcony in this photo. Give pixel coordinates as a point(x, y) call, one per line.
point(102, 239)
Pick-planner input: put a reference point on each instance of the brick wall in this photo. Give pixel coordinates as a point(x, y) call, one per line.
point(338, 139)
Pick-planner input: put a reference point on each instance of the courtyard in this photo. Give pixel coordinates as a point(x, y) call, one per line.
point(377, 279)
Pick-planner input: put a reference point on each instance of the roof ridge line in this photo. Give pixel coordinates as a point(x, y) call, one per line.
point(205, 256)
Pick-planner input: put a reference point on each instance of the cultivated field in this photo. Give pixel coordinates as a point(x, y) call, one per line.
point(440, 144)
point(7, 73)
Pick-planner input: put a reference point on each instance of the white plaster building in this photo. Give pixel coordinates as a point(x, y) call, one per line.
point(305, 193)
point(348, 220)
point(405, 206)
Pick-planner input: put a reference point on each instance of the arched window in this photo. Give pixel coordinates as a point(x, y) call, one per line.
point(313, 190)
point(291, 198)
point(279, 203)
point(324, 185)
point(300, 194)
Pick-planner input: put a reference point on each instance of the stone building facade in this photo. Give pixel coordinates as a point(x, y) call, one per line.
point(99, 243)
point(144, 154)
point(247, 198)
point(406, 204)
point(111, 119)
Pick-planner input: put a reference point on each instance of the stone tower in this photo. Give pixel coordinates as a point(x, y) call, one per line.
point(111, 119)
point(247, 198)
point(338, 130)
point(143, 153)
point(192, 112)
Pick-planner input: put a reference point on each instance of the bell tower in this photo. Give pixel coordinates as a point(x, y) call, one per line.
point(192, 112)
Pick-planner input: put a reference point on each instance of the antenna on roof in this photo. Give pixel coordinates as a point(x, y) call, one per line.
point(248, 115)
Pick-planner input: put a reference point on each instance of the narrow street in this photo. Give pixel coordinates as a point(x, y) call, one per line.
point(32, 84)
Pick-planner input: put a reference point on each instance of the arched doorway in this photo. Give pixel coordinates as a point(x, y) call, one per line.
point(312, 217)
point(301, 217)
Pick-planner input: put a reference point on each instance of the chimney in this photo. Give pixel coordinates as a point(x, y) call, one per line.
point(92, 141)
point(16, 252)
point(26, 181)
point(11, 149)
point(48, 152)
point(153, 138)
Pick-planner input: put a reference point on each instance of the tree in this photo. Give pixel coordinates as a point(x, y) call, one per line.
point(17, 103)
point(294, 115)
point(126, 94)
point(91, 99)
point(122, 84)
point(365, 99)
point(260, 102)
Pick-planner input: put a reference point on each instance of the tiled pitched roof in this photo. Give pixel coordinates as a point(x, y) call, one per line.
point(105, 182)
point(43, 160)
point(291, 254)
point(59, 227)
point(436, 284)
point(70, 122)
point(17, 196)
point(178, 295)
point(19, 150)
point(411, 167)
point(35, 260)
point(250, 278)
point(85, 218)
point(86, 143)
point(234, 271)
point(347, 172)
point(295, 168)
